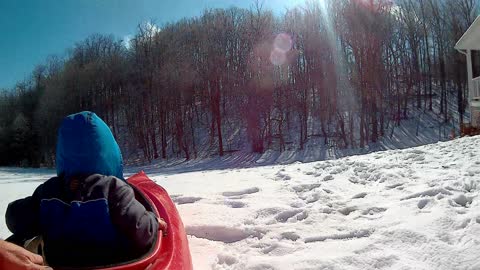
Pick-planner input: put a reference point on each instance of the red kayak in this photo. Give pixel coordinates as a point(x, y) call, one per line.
point(170, 251)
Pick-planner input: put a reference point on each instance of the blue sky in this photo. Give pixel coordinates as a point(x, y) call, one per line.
point(31, 30)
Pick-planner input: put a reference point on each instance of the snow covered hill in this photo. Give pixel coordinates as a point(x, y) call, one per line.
point(416, 208)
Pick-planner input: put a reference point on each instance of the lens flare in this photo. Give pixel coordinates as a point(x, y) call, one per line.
point(278, 57)
point(282, 44)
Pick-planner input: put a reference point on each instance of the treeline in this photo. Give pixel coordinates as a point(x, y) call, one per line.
point(342, 70)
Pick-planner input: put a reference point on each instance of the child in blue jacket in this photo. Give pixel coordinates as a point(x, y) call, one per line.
point(88, 214)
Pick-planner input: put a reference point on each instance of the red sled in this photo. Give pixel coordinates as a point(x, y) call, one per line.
point(170, 251)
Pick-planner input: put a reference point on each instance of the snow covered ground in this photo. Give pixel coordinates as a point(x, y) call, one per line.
point(416, 208)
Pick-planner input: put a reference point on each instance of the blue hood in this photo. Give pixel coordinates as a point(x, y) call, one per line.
point(86, 146)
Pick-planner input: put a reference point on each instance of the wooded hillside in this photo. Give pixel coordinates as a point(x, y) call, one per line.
point(341, 70)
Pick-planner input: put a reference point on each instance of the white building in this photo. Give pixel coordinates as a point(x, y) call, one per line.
point(469, 45)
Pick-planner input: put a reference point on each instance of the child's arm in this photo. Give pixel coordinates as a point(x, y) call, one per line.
point(23, 215)
point(131, 217)
point(22, 218)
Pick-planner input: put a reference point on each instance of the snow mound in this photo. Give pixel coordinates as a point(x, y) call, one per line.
point(241, 192)
point(340, 236)
point(185, 200)
point(218, 233)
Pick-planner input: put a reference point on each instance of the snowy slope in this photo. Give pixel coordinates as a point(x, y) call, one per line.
point(400, 209)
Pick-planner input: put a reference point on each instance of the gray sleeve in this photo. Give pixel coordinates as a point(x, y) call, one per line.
point(130, 216)
point(23, 216)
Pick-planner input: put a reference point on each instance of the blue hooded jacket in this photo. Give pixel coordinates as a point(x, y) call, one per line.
point(86, 146)
point(88, 215)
